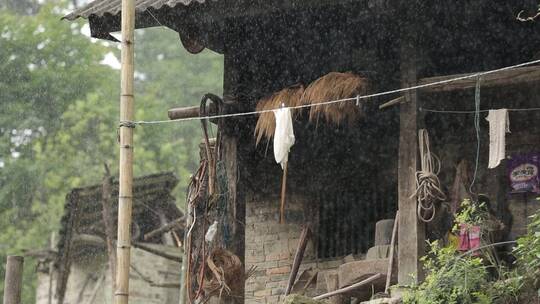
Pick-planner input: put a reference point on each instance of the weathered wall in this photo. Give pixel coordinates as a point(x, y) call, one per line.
point(271, 246)
point(88, 272)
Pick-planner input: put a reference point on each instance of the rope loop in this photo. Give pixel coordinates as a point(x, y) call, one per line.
point(428, 186)
point(127, 124)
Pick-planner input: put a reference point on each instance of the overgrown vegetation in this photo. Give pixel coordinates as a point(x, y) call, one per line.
point(462, 278)
point(527, 253)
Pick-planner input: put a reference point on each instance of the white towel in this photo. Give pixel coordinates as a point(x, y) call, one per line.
point(283, 135)
point(499, 125)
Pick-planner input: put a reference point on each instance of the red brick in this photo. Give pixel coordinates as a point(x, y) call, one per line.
point(278, 270)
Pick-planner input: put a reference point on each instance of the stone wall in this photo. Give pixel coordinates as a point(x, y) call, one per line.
point(271, 246)
point(90, 274)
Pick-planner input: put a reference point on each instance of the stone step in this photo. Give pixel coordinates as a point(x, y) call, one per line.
point(379, 252)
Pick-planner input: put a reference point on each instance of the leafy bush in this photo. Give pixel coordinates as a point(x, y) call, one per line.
point(464, 279)
point(527, 252)
point(450, 279)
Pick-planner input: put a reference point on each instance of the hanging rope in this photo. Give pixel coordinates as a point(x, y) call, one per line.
point(477, 129)
point(428, 187)
point(211, 157)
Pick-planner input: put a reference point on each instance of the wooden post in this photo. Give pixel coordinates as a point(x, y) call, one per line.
point(411, 235)
point(125, 192)
point(391, 255)
point(52, 247)
point(13, 280)
point(107, 215)
point(184, 288)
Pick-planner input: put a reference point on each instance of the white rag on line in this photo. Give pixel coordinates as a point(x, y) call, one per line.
point(499, 125)
point(283, 135)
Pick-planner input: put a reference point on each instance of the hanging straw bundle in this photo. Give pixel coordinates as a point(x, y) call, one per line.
point(266, 124)
point(224, 275)
point(335, 86)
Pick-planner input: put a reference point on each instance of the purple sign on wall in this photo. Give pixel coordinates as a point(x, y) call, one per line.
point(523, 172)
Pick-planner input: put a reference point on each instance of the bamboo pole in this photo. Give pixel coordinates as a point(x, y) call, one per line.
point(349, 288)
point(13, 280)
point(125, 192)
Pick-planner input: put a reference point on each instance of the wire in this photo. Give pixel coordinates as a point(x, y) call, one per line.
point(472, 112)
point(477, 129)
point(355, 98)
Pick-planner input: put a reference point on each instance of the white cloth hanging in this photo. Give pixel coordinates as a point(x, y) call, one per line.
point(499, 125)
point(283, 135)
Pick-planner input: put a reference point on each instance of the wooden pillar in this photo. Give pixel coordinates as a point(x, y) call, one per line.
point(125, 191)
point(231, 149)
point(13, 280)
point(411, 232)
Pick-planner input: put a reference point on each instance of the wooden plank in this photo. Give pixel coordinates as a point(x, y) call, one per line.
point(304, 237)
point(411, 235)
point(349, 288)
point(391, 256)
point(530, 74)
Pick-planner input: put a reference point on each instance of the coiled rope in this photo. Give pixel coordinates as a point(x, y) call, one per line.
point(428, 187)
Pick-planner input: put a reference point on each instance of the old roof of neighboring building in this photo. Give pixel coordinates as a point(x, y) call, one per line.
point(153, 203)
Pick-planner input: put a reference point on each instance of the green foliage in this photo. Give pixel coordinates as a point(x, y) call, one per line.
point(471, 214)
point(450, 279)
point(462, 278)
point(527, 252)
point(59, 115)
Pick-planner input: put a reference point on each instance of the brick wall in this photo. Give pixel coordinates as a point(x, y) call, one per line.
point(271, 246)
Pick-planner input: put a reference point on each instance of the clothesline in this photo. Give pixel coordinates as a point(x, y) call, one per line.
point(473, 111)
point(356, 98)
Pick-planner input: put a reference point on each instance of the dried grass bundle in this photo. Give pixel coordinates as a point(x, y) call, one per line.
point(224, 274)
point(266, 124)
point(334, 86)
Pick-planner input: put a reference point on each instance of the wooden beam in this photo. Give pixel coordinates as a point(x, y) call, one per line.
point(392, 102)
point(179, 222)
point(160, 253)
point(411, 235)
point(530, 74)
point(94, 240)
point(189, 112)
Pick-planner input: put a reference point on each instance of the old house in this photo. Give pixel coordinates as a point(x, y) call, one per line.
point(344, 175)
point(77, 269)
